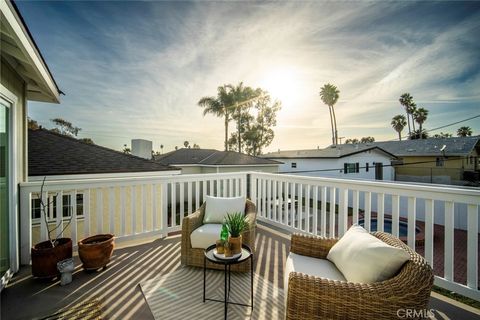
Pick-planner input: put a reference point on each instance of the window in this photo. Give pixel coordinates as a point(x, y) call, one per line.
point(366, 167)
point(51, 208)
point(351, 167)
point(439, 162)
point(294, 164)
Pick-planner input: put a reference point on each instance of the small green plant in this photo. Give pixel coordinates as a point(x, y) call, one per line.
point(236, 223)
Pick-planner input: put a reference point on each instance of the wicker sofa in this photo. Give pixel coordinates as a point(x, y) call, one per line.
point(194, 256)
point(310, 297)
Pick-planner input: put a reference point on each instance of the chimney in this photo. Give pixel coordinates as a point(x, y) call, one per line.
point(142, 148)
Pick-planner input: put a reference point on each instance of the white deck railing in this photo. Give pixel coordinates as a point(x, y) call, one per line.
point(139, 207)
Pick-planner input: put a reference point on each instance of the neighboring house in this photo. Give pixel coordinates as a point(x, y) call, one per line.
point(24, 77)
point(57, 157)
point(193, 161)
point(341, 161)
point(436, 160)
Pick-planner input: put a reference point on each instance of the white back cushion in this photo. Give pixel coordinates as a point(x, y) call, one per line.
point(363, 258)
point(205, 235)
point(216, 208)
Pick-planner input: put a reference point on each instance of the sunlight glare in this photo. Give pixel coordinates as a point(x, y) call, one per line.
point(283, 85)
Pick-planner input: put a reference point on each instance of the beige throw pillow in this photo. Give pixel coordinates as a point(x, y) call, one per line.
point(363, 258)
point(216, 208)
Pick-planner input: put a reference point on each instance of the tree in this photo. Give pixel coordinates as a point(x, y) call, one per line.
point(176, 147)
point(186, 144)
point(329, 95)
point(259, 133)
point(243, 99)
point(32, 124)
point(442, 135)
point(398, 124)
point(126, 149)
point(417, 134)
point(464, 132)
point(420, 116)
point(352, 141)
point(86, 140)
point(221, 106)
point(406, 100)
point(65, 127)
point(196, 146)
point(161, 148)
point(367, 139)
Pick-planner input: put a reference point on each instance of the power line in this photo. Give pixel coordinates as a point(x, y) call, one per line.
point(444, 126)
point(383, 166)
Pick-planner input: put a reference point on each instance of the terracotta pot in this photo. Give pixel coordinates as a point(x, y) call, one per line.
point(235, 244)
point(95, 251)
point(45, 258)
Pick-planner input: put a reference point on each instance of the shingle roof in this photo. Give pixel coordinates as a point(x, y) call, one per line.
point(338, 151)
point(456, 146)
point(50, 153)
point(211, 157)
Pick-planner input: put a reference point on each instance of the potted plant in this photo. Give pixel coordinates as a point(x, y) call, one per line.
point(236, 223)
point(46, 254)
point(95, 251)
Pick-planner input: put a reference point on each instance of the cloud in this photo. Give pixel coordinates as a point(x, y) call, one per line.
point(137, 70)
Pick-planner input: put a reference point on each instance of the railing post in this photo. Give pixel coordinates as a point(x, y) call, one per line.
point(164, 204)
point(253, 187)
point(342, 211)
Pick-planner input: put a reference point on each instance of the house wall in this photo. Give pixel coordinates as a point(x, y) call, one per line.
point(190, 170)
point(313, 167)
point(200, 169)
point(427, 171)
point(15, 84)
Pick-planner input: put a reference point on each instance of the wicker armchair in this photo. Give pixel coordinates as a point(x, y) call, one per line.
point(312, 297)
point(194, 256)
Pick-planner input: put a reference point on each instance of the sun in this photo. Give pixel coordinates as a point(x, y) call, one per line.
point(282, 84)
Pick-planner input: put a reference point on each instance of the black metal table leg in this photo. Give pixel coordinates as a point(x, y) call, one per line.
point(204, 276)
point(251, 279)
point(225, 296)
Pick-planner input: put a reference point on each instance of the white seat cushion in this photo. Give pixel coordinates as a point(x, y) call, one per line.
point(216, 208)
point(363, 258)
point(205, 235)
point(311, 266)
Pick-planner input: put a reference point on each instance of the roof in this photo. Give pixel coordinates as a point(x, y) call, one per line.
point(211, 157)
point(19, 50)
point(330, 152)
point(51, 153)
point(456, 146)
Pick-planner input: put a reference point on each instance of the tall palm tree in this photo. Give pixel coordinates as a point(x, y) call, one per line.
point(420, 115)
point(464, 132)
point(406, 100)
point(398, 123)
point(329, 95)
point(219, 106)
point(161, 148)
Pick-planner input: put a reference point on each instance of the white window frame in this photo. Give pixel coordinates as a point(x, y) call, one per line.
point(51, 217)
point(11, 101)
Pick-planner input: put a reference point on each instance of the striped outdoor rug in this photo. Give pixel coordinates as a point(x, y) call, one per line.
point(179, 295)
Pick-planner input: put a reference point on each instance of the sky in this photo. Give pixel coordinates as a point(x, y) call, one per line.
point(136, 70)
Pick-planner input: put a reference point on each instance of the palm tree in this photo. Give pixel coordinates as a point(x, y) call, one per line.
point(464, 132)
point(161, 148)
point(420, 115)
point(398, 123)
point(219, 106)
point(406, 100)
point(329, 95)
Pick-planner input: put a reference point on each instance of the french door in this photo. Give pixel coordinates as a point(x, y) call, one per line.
point(5, 177)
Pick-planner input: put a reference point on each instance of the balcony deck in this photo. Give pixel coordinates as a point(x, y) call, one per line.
point(118, 290)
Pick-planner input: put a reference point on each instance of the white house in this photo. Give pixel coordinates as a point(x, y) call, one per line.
point(24, 76)
point(341, 161)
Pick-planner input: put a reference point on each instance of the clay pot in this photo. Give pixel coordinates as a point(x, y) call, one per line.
point(235, 244)
point(45, 258)
point(95, 251)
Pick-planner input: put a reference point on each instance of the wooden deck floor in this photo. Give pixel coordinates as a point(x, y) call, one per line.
point(118, 290)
